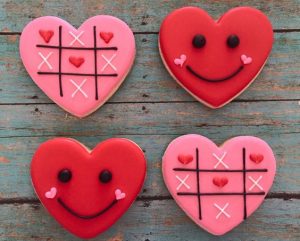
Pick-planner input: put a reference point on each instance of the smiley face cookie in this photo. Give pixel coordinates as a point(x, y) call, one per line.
point(218, 187)
point(87, 191)
point(215, 61)
point(79, 69)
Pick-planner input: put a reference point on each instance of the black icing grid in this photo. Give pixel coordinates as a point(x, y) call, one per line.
point(61, 48)
point(199, 194)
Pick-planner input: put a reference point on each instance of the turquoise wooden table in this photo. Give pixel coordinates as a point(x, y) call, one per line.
point(151, 109)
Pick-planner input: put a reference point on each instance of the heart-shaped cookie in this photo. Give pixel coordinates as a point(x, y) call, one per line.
point(222, 186)
point(221, 58)
point(87, 191)
point(79, 69)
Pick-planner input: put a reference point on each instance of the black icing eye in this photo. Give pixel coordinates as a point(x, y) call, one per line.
point(233, 41)
point(199, 41)
point(105, 176)
point(64, 175)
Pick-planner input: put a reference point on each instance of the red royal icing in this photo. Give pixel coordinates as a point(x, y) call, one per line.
point(106, 36)
point(185, 159)
point(87, 191)
point(76, 61)
point(220, 181)
point(46, 35)
point(256, 158)
point(215, 61)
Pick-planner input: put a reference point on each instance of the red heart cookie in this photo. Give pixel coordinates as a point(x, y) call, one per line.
point(87, 191)
point(215, 61)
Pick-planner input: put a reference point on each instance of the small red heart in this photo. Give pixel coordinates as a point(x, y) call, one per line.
point(185, 159)
point(76, 61)
point(220, 181)
point(256, 158)
point(46, 35)
point(106, 36)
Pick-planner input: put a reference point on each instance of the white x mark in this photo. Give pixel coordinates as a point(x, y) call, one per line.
point(78, 88)
point(182, 182)
point(76, 38)
point(108, 62)
point(45, 60)
point(222, 210)
point(255, 183)
point(220, 160)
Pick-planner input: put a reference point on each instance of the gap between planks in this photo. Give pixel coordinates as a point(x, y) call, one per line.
point(154, 32)
point(284, 196)
point(161, 102)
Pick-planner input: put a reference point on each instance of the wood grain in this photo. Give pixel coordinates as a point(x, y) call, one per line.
point(141, 15)
point(149, 80)
point(17, 152)
point(277, 117)
point(151, 109)
point(275, 220)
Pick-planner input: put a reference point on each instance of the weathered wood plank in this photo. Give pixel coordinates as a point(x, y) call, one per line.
point(275, 117)
point(149, 81)
point(276, 220)
point(142, 15)
point(16, 154)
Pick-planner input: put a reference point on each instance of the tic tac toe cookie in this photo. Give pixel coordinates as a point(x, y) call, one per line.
point(87, 191)
point(215, 61)
point(218, 187)
point(79, 69)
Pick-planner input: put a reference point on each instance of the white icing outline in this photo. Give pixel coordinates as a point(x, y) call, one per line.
point(183, 182)
point(45, 60)
point(78, 88)
point(220, 160)
point(108, 62)
point(256, 183)
point(222, 210)
point(76, 38)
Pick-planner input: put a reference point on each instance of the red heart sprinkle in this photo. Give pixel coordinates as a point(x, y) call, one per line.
point(256, 158)
point(185, 159)
point(46, 35)
point(220, 181)
point(76, 61)
point(106, 36)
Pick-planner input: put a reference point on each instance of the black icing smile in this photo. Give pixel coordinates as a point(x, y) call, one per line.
point(70, 210)
point(189, 68)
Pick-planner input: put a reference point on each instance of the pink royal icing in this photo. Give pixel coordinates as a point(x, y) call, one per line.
point(232, 179)
point(79, 69)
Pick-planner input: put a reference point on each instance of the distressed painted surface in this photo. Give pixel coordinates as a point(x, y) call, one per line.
point(156, 220)
point(142, 111)
point(148, 81)
point(276, 117)
point(18, 151)
point(141, 15)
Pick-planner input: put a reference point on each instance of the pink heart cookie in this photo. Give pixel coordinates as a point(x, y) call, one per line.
point(219, 208)
point(48, 44)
